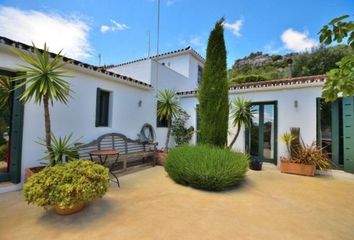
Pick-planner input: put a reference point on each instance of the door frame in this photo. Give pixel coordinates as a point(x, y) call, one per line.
point(16, 132)
point(261, 133)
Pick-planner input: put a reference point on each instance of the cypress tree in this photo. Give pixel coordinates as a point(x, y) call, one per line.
point(213, 91)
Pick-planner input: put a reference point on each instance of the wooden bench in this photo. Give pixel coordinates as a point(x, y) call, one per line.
point(130, 151)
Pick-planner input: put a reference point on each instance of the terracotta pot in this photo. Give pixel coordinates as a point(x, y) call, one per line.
point(297, 168)
point(33, 170)
point(68, 211)
point(160, 157)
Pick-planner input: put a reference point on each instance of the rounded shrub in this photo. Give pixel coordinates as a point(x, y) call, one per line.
point(206, 167)
point(67, 184)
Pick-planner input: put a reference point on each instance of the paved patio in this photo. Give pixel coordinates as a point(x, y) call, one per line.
point(269, 205)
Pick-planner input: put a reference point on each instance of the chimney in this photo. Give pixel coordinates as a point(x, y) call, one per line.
point(290, 67)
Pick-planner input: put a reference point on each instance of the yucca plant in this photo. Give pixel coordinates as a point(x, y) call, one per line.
point(5, 92)
point(61, 148)
point(43, 78)
point(167, 108)
point(287, 138)
point(241, 114)
point(311, 154)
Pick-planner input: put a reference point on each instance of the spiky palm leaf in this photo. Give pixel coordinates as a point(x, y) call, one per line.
point(167, 104)
point(61, 147)
point(5, 91)
point(43, 76)
point(241, 114)
point(167, 108)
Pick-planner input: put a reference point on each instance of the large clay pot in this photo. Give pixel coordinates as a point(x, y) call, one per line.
point(297, 168)
point(33, 170)
point(68, 211)
point(160, 157)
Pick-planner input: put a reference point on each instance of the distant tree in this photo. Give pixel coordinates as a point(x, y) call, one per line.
point(213, 91)
point(319, 60)
point(341, 79)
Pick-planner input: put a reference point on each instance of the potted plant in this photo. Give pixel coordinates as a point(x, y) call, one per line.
point(167, 109)
point(63, 149)
point(160, 156)
point(67, 186)
point(256, 165)
point(303, 158)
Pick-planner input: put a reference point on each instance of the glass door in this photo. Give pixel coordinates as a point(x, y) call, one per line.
point(11, 124)
point(261, 136)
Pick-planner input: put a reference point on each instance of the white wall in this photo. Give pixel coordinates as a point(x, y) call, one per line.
point(78, 117)
point(179, 63)
point(140, 70)
point(193, 73)
point(180, 72)
point(304, 116)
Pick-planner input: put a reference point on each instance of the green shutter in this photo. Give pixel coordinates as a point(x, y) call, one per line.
point(348, 133)
point(335, 132)
point(16, 137)
point(98, 97)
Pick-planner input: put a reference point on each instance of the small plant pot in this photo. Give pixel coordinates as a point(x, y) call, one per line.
point(256, 165)
point(297, 168)
point(68, 211)
point(33, 170)
point(160, 157)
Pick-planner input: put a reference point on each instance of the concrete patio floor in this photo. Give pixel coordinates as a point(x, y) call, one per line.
point(269, 205)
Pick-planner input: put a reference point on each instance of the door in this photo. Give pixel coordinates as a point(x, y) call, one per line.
point(11, 123)
point(261, 142)
point(348, 133)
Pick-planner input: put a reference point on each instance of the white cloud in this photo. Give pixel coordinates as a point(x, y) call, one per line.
point(272, 49)
point(197, 42)
point(234, 27)
point(105, 28)
point(116, 26)
point(297, 41)
point(170, 2)
point(59, 32)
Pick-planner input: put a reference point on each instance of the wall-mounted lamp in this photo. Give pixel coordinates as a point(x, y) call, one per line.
point(140, 103)
point(296, 104)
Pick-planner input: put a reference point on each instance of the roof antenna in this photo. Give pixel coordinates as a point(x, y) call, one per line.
point(157, 46)
point(149, 43)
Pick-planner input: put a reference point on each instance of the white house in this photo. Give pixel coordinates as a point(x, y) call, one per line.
point(130, 90)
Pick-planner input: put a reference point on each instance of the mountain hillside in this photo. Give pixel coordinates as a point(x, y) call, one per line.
point(259, 66)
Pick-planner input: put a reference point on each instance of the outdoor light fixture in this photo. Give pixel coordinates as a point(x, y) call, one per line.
point(296, 104)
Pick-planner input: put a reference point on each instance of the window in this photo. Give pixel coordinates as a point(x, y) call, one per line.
point(200, 71)
point(161, 123)
point(102, 108)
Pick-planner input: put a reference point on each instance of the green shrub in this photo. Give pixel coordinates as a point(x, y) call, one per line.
point(206, 167)
point(67, 184)
point(248, 78)
point(3, 152)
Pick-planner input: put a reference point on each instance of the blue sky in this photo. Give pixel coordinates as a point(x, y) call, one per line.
point(118, 30)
